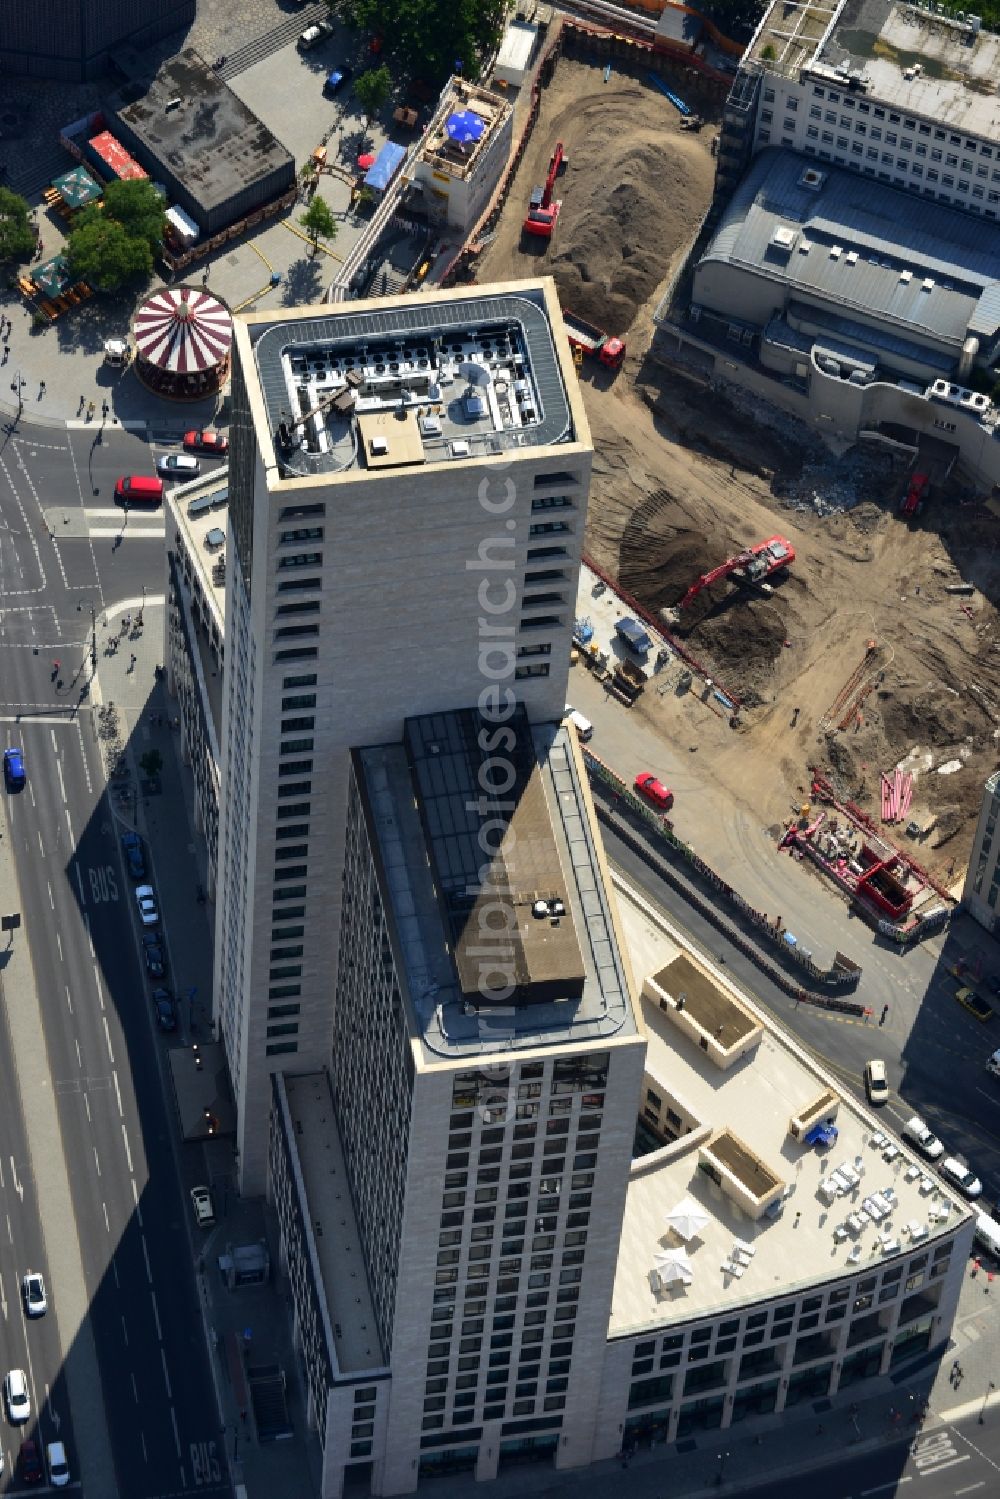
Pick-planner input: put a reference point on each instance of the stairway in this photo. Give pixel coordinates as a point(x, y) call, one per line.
point(267, 1396)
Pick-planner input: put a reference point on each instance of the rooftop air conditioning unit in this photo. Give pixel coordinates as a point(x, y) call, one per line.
point(812, 179)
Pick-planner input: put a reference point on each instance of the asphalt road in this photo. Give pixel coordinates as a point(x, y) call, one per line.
point(943, 1462)
point(106, 1064)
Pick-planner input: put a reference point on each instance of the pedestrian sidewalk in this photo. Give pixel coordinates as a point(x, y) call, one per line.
point(164, 814)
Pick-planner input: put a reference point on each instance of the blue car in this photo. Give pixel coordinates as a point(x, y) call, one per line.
point(13, 770)
point(132, 848)
point(336, 78)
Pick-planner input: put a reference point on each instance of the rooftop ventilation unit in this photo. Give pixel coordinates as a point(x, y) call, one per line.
point(783, 239)
point(905, 277)
point(927, 283)
point(836, 251)
point(852, 257)
point(812, 179)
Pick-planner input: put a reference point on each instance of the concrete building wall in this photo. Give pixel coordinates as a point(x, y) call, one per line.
point(74, 43)
point(982, 881)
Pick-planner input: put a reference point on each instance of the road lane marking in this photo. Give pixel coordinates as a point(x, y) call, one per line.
point(125, 1331)
point(135, 1390)
point(166, 1373)
point(100, 991)
point(90, 939)
point(118, 1095)
point(881, 1487)
point(3, 1297)
point(72, 835)
point(31, 793)
point(145, 1255)
point(10, 1231)
point(69, 998)
point(86, 1104)
point(41, 845)
point(177, 1438)
point(114, 1271)
point(52, 901)
point(135, 1200)
point(107, 1220)
point(62, 783)
point(971, 1487)
point(142, 1439)
point(79, 884)
point(97, 1160)
point(79, 1058)
point(18, 1188)
point(107, 1037)
point(128, 1153)
point(59, 945)
point(156, 1316)
point(932, 1467)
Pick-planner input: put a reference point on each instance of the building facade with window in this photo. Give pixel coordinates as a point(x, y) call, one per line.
point(408, 485)
point(75, 45)
point(982, 881)
point(891, 91)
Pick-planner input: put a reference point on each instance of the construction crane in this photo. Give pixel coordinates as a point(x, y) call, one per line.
point(543, 210)
point(752, 566)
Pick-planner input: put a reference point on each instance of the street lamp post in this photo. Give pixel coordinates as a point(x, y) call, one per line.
point(986, 1397)
point(723, 1459)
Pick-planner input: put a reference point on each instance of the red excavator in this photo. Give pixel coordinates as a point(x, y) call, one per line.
point(543, 211)
point(751, 566)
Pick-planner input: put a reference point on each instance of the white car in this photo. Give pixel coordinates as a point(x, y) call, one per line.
point(55, 1454)
point(876, 1082)
point(923, 1138)
point(178, 466)
point(313, 35)
point(958, 1174)
point(36, 1303)
point(15, 1394)
point(146, 901)
point(204, 1209)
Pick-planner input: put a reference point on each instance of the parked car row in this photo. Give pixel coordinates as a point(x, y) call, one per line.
point(955, 1171)
point(154, 949)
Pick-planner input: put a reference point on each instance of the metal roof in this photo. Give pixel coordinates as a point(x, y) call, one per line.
point(875, 252)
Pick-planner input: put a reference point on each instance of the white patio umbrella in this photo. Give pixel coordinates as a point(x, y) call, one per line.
point(673, 1265)
point(687, 1219)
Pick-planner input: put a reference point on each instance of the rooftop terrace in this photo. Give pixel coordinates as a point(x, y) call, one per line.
point(411, 381)
point(800, 1210)
point(443, 154)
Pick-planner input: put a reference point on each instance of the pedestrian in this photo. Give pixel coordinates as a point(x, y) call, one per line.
point(83, 402)
point(6, 355)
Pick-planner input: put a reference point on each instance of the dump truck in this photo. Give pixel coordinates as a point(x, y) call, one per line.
point(593, 342)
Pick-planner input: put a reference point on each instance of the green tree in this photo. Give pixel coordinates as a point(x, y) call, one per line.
point(318, 222)
point(101, 251)
point(151, 763)
point(372, 89)
point(138, 207)
point(433, 35)
point(17, 234)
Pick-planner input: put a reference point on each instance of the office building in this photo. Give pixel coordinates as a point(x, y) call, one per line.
point(408, 487)
point(74, 44)
point(895, 92)
point(982, 882)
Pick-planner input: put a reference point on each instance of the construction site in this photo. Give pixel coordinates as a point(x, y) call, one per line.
point(876, 644)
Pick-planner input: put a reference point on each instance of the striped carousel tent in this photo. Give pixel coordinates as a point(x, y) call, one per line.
point(182, 337)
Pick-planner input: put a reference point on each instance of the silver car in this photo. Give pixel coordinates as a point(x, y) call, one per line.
point(146, 901)
point(178, 466)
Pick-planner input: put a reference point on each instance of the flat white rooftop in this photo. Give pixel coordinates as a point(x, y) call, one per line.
point(755, 1099)
point(935, 66)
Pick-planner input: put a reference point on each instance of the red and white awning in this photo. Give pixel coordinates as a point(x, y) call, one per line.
point(183, 330)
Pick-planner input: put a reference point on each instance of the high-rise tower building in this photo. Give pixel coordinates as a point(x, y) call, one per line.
point(408, 487)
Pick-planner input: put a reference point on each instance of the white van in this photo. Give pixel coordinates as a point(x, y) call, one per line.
point(583, 726)
point(987, 1234)
point(993, 1064)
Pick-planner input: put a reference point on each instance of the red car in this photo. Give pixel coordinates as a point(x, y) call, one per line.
point(654, 791)
point(29, 1462)
point(206, 442)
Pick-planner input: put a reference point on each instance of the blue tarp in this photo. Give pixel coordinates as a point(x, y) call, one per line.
point(821, 1134)
point(385, 166)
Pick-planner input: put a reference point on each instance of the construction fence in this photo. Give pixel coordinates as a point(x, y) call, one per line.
point(655, 841)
